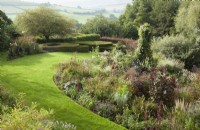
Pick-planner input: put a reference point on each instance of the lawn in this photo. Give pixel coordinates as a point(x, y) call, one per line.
point(33, 75)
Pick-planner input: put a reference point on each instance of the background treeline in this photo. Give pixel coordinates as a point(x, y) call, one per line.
point(159, 14)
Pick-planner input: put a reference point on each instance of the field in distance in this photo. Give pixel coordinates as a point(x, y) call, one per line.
point(81, 14)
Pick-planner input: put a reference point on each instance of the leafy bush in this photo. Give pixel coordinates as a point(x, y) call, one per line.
point(172, 65)
point(71, 72)
point(176, 47)
point(26, 118)
point(87, 101)
point(23, 46)
point(162, 87)
point(180, 48)
point(122, 95)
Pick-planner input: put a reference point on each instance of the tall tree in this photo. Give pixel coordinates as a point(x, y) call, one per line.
point(188, 19)
point(5, 30)
point(102, 25)
point(163, 15)
point(158, 13)
point(44, 21)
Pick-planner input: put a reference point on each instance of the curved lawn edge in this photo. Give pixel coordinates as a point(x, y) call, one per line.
point(33, 75)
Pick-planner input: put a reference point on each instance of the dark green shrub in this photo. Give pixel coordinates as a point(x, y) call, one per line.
point(130, 31)
point(175, 47)
point(7, 31)
point(180, 48)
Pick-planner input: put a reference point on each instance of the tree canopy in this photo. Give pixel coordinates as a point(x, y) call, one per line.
point(5, 31)
point(44, 21)
point(99, 25)
point(159, 14)
point(188, 19)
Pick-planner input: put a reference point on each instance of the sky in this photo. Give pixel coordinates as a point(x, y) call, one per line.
point(82, 3)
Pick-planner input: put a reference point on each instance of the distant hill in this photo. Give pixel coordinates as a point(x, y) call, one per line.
point(89, 4)
point(108, 9)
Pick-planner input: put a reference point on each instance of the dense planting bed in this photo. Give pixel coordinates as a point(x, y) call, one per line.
point(33, 75)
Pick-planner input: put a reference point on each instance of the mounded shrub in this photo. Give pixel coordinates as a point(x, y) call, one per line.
point(172, 65)
point(23, 46)
point(176, 47)
point(180, 48)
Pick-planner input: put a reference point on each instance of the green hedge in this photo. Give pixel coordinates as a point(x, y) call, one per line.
point(81, 37)
point(84, 46)
point(61, 48)
point(88, 37)
point(102, 45)
point(65, 47)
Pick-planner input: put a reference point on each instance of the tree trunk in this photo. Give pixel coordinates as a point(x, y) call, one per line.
point(47, 38)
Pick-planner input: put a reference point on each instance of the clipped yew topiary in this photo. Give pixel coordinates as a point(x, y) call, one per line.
point(143, 52)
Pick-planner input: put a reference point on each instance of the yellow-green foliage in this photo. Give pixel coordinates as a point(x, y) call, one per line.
point(26, 118)
point(44, 21)
point(187, 20)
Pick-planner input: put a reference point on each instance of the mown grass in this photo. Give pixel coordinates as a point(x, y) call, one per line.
point(33, 75)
